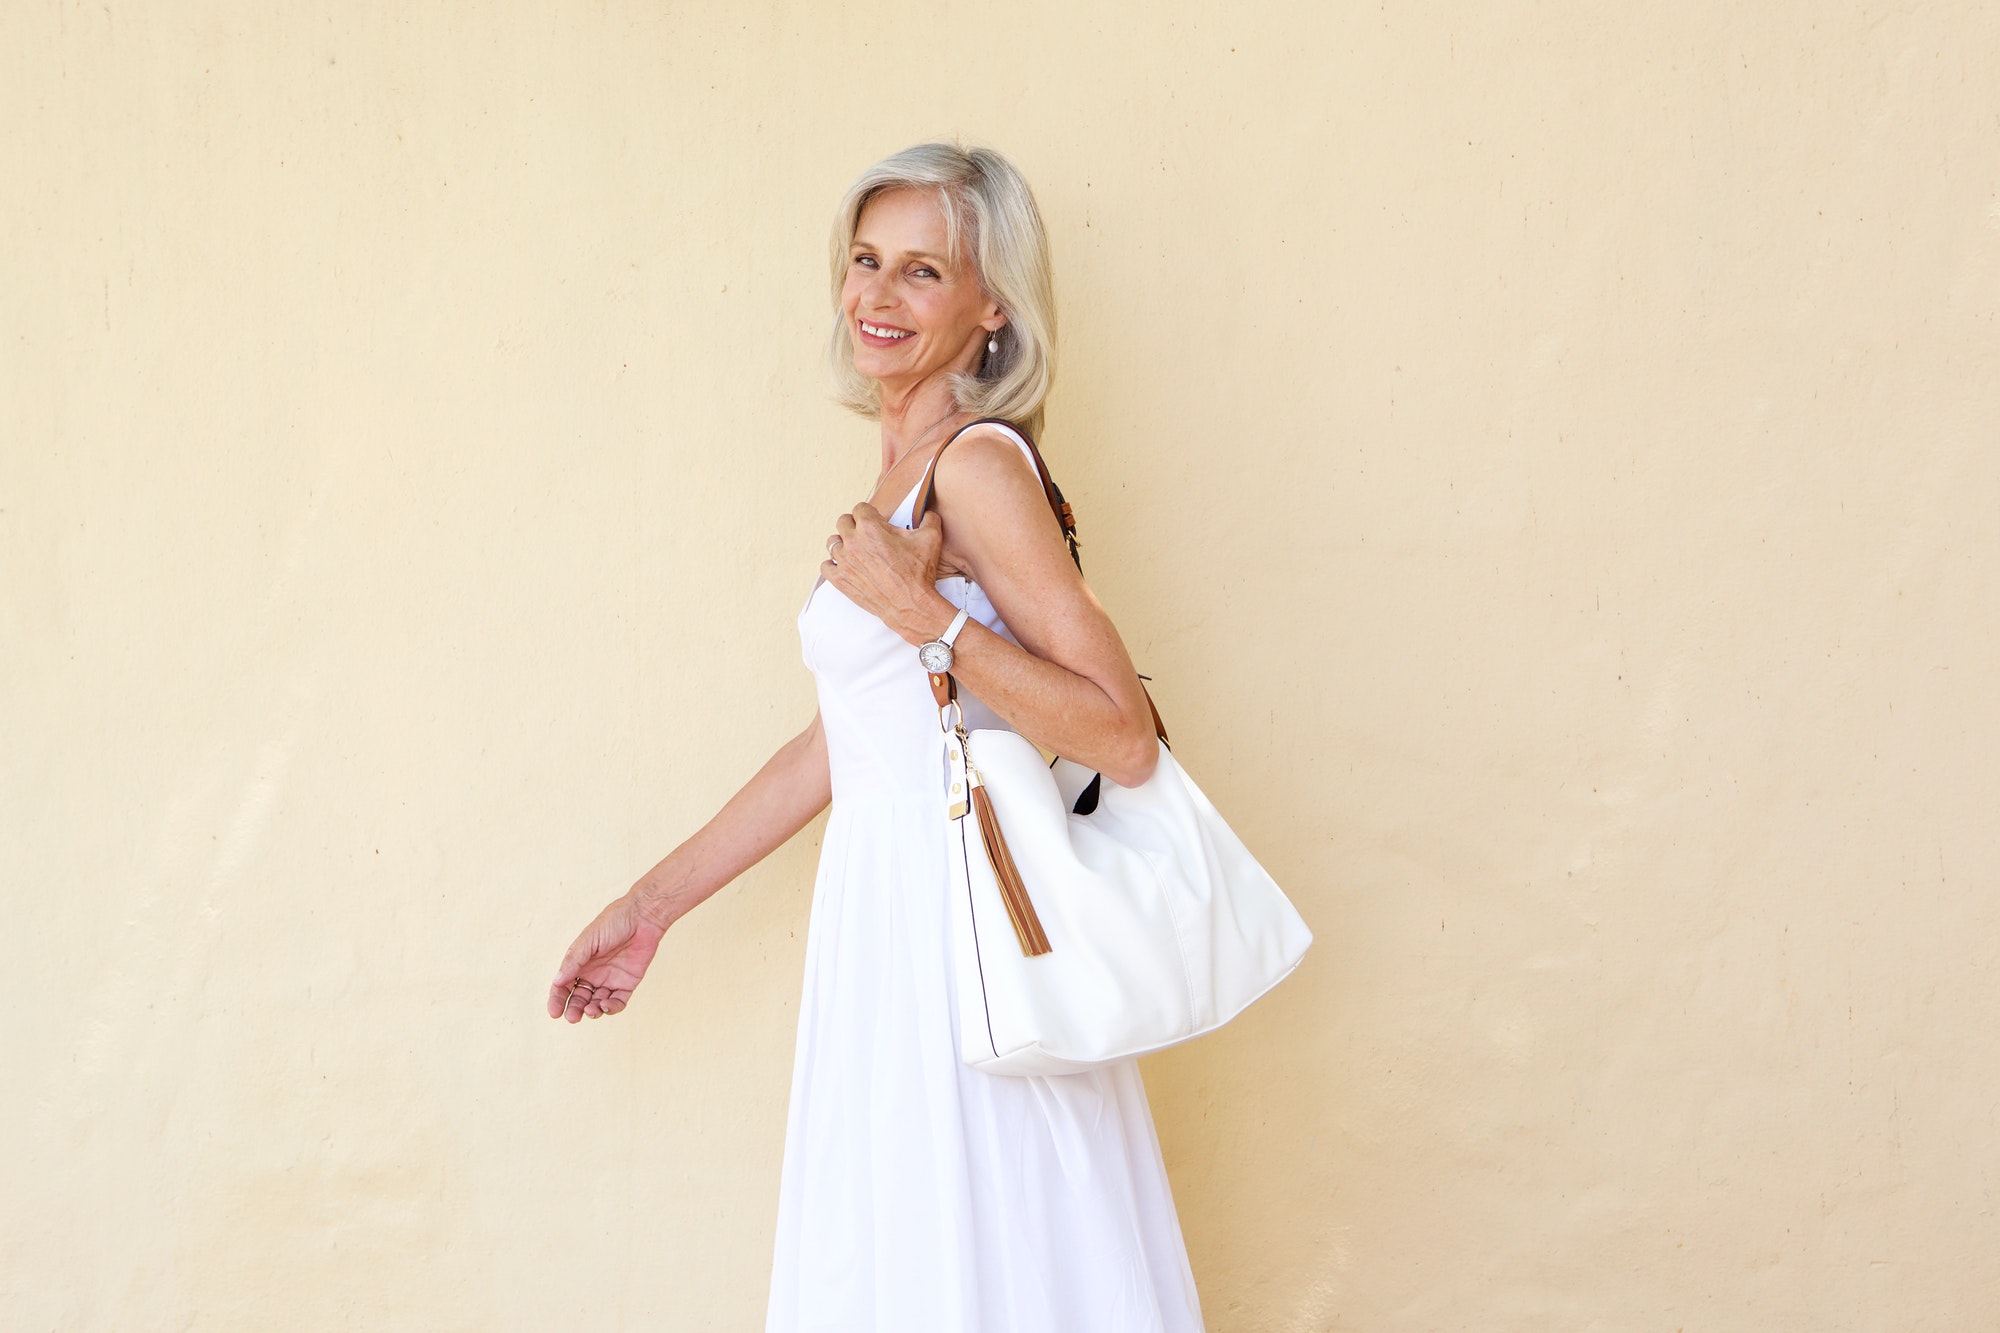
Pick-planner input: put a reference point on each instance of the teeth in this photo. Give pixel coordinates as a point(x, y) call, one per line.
point(881, 333)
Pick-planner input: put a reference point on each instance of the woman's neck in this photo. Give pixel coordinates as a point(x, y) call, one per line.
point(914, 418)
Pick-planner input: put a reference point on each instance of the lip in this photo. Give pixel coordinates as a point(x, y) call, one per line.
point(871, 340)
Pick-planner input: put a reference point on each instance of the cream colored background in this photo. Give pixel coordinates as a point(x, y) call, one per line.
point(1544, 452)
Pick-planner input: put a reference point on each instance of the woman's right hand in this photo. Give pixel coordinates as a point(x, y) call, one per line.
point(599, 970)
point(606, 962)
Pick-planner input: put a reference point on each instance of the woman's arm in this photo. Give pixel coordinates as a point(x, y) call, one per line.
point(1073, 691)
point(604, 964)
point(792, 786)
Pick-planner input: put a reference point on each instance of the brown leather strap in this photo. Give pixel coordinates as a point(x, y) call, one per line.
point(1159, 727)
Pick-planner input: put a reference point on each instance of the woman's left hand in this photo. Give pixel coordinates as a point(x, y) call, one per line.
point(890, 572)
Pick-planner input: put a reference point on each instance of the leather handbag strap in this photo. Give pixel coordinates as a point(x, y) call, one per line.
point(943, 687)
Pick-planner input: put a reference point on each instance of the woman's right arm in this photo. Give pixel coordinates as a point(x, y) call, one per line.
point(792, 787)
point(608, 959)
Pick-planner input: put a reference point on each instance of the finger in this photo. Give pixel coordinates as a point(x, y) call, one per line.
point(930, 521)
point(863, 513)
point(573, 1007)
point(559, 988)
point(844, 525)
point(830, 572)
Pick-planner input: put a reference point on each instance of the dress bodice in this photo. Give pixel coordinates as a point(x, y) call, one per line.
point(874, 697)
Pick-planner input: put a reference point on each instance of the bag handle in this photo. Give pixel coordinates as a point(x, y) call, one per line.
point(944, 687)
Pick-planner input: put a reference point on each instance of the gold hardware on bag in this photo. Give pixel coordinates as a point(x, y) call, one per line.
point(955, 774)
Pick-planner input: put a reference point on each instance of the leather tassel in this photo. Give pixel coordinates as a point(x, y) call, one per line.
point(1021, 911)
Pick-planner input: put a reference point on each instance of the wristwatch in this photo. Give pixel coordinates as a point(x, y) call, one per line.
point(936, 655)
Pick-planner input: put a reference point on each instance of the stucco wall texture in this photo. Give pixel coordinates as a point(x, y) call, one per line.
point(1543, 452)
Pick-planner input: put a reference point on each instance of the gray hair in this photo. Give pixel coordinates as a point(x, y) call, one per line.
point(987, 205)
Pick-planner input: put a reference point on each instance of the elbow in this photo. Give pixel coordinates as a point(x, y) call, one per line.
point(1136, 761)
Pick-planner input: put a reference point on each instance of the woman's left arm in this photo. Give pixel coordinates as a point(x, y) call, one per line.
point(1073, 691)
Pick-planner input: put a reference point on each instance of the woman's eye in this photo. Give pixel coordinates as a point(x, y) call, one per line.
point(867, 260)
point(923, 272)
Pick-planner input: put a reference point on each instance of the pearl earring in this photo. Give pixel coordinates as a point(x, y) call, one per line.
point(993, 342)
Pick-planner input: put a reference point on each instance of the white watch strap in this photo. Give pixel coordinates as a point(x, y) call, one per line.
point(957, 623)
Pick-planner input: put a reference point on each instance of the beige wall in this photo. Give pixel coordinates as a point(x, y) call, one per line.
point(1545, 453)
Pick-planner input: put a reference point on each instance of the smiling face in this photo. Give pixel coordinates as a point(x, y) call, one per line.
point(912, 314)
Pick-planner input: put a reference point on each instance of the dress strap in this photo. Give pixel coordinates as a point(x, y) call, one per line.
point(821, 578)
point(908, 496)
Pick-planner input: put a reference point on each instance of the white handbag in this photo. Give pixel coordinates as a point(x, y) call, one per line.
point(1093, 922)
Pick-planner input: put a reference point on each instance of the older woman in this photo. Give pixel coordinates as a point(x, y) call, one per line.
point(919, 1194)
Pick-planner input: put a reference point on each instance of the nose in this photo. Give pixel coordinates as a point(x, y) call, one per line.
point(875, 292)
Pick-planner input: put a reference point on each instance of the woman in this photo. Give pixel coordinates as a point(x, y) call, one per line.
point(919, 1194)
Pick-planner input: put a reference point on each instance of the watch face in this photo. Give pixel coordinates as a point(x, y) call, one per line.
point(935, 656)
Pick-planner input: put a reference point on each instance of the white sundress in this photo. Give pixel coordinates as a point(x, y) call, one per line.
point(919, 1195)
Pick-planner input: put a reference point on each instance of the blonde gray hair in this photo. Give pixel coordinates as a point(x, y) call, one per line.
point(988, 209)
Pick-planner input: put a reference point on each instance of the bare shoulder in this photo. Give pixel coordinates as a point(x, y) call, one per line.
point(987, 467)
point(992, 502)
point(986, 451)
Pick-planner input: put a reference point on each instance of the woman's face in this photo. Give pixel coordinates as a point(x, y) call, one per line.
point(911, 314)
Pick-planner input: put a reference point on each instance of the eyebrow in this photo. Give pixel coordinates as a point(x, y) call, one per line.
point(858, 244)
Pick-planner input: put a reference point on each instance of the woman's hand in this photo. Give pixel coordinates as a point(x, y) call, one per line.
point(600, 970)
point(606, 962)
point(890, 572)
